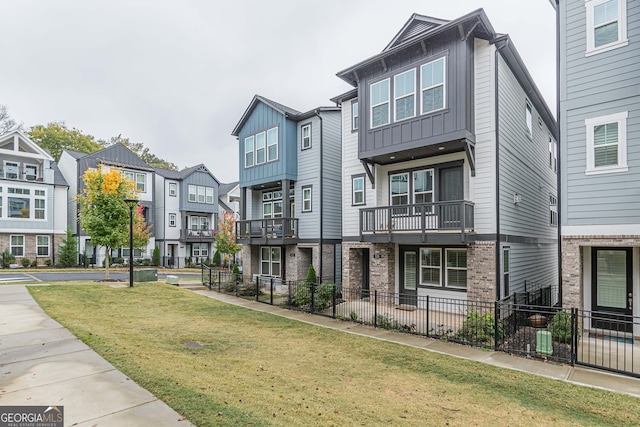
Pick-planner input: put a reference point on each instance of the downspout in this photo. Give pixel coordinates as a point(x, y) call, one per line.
point(558, 151)
point(497, 126)
point(321, 195)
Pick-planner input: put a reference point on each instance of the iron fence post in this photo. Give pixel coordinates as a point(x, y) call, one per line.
point(313, 298)
point(210, 279)
point(427, 330)
point(496, 317)
point(375, 308)
point(257, 288)
point(289, 294)
point(271, 292)
point(574, 336)
point(333, 301)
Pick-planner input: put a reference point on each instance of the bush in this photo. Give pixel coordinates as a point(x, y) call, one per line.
point(216, 259)
point(26, 262)
point(155, 258)
point(321, 299)
point(69, 251)
point(479, 328)
point(385, 321)
point(34, 263)
point(560, 328)
point(311, 275)
point(48, 262)
point(8, 258)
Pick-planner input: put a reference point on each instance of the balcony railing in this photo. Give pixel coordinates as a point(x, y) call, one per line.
point(419, 219)
point(267, 229)
point(18, 175)
point(196, 234)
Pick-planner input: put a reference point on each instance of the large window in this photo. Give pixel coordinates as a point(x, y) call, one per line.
point(432, 77)
point(200, 250)
point(11, 170)
point(139, 180)
point(261, 147)
point(270, 261)
point(306, 136)
point(430, 267)
point(200, 194)
point(42, 245)
point(456, 268)
point(272, 205)
point(607, 143)
point(199, 223)
point(400, 189)
point(248, 151)
point(18, 207)
point(193, 193)
point(39, 209)
point(606, 25)
point(357, 190)
point(411, 188)
point(380, 103)
point(404, 86)
point(272, 144)
point(173, 189)
point(306, 199)
point(423, 186)
point(17, 245)
point(354, 115)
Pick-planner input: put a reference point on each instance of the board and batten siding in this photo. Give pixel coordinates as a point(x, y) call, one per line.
point(594, 86)
point(198, 178)
point(483, 185)
point(351, 166)
point(524, 163)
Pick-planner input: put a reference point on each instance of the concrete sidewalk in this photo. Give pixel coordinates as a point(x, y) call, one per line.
point(573, 374)
point(42, 363)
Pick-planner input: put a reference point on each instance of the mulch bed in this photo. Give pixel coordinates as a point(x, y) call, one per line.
point(517, 343)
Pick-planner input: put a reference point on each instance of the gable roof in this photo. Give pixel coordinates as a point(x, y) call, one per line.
point(25, 145)
point(184, 173)
point(226, 188)
point(414, 27)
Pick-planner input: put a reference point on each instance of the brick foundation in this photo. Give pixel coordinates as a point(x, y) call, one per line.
point(481, 271)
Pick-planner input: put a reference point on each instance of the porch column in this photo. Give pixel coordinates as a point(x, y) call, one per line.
point(243, 203)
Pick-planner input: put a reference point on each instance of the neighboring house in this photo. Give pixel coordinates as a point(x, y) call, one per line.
point(290, 190)
point(33, 200)
point(449, 188)
point(229, 198)
point(186, 215)
point(599, 108)
point(73, 165)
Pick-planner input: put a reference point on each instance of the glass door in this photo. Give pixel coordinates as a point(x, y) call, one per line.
point(612, 289)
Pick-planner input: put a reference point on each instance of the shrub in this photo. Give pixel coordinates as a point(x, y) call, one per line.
point(236, 270)
point(386, 321)
point(353, 315)
point(8, 258)
point(321, 298)
point(26, 262)
point(216, 259)
point(69, 251)
point(478, 328)
point(34, 263)
point(561, 327)
point(155, 258)
point(48, 262)
point(311, 275)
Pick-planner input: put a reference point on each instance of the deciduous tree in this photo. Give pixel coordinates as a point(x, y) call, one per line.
point(7, 123)
point(56, 137)
point(225, 235)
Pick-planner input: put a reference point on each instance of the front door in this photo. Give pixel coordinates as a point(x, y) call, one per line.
point(365, 272)
point(450, 189)
point(612, 289)
point(408, 287)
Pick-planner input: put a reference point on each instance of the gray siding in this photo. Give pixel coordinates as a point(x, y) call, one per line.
point(544, 272)
point(454, 122)
point(594, 86)
point(69, 168)
point(331, 181)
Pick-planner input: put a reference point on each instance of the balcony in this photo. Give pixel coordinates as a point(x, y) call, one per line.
point(20, 175)
point(436, 223)
point(197, 235)
point(276, 231)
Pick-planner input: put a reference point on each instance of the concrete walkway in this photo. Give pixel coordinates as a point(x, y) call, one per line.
point(573, 374)
point(42, 363)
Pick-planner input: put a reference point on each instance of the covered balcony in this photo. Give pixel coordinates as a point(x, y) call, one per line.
point(437, 223)
point(280, 231)
point(199, 234)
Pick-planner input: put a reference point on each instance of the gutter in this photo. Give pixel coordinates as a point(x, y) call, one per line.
point(321, 191)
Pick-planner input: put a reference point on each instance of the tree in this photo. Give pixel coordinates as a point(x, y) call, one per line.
point(141, 231)
point(56, 137)
point(7, 124)
point(225, 236)
point(68, 250)
point(103, 212)
point(141, 151)
point(155, 259)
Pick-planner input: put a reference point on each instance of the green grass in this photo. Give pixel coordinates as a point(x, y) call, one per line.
point(258, 369)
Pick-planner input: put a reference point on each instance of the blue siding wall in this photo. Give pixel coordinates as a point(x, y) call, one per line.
point(200, 178)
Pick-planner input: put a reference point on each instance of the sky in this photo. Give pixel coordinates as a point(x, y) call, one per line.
point(177, 75)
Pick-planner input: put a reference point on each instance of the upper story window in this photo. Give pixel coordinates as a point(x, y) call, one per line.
point(354, 115)
point(21, 203)
point(172, 220)
point(553, 154)
point(432, 77)
point(357, 190)
point(200, 194)
point(30, 172)
point(553, 209)
point(173, 189)
point(306, 199)
point(11, 170)
point(380, 103)
point(404, 86)
point(528, 117)
point(607, 143)
point(306, 136)
point(272, 205)
point(606, 25)
point(261, 148)
point(139, 179)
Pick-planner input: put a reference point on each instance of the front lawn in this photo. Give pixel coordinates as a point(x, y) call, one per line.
point(256, 369)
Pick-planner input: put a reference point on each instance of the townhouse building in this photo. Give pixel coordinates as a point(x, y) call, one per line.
point(599, 116)
point(229, 198)
point(33, 200)
point(73, 165)
point(186, 215)
point(290, 190)
point(448, 166)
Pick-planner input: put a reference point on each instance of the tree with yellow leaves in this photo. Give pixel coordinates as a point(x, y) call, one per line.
point(104, 215)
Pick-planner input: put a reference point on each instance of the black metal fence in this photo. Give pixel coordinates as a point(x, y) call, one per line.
point(523, 324)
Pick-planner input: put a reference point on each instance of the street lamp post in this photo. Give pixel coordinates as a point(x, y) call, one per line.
point(131, 203)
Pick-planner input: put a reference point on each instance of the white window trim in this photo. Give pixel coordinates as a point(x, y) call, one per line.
point(303, 138)
point(4, 169)
point(590, 124)
point(444, 86)
point(528, 119)
point(270, 260)
point(305, 199)
point(275, 131)
point(208, 195)
point(11, 245)
point(622, 28)
point(447, 268)
point(395, 98)
point(24, 170)
point(48, 245)
point(388, 101)
point(144, 182)
point(439, 267)
point(173, 220)
point(354, 191)
point(252, 152)
point(355, 115)
point(195, 193)
point(173, 189)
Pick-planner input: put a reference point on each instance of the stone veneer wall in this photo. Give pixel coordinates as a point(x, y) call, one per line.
point(481, 271)
point(572, 263)
point(30, 248)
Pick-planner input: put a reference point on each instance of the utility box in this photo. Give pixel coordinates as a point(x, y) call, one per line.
point(544, 345)
point(145, 275)
point(172, 280)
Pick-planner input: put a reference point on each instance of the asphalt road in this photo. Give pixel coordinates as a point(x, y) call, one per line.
point(16, 276)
